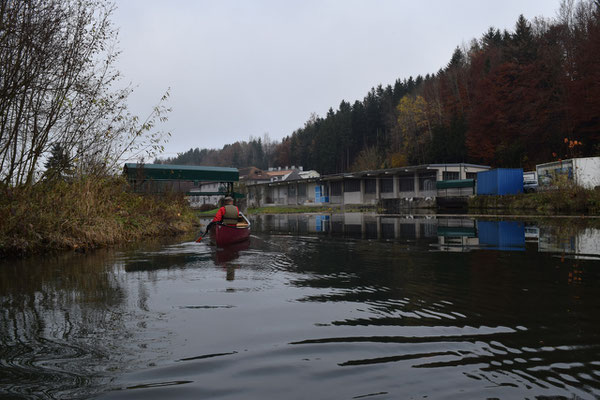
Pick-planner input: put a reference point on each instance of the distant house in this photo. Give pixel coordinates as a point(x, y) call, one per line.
point(253, 175)
point(278, 174)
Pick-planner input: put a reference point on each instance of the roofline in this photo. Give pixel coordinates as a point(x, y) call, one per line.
point(181, 167)
point(385, 171)
point(565, 160)
point(277, 183)
point(172, 172)
point(392, 171)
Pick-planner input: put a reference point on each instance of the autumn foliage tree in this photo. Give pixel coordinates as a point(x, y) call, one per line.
point(507, 99)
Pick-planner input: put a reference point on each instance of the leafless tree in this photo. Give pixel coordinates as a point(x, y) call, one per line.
point(58, 85)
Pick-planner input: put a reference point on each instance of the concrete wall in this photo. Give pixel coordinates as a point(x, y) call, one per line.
point(397, 206)
point(587, 172)
point(335, 199)
point(352, 198)
point(370, 198)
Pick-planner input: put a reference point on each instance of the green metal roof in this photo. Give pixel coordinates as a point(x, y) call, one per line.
point(181, 172)
point(457, 183)
point(235, 195)
point(456, 231)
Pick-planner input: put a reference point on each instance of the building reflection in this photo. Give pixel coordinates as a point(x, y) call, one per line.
point(451, 234)
point(580, 242)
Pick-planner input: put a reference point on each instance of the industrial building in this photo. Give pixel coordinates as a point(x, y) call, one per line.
point(417, 185)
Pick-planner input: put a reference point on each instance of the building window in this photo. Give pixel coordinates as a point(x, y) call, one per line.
point(336, 188)
point(387, 185)
point(407, 184)
point(408, 231)
point(472, 175)
point(302, 189)
point(291, 190)
point(370, 185)
point(427, 182)
point(450, 175)
point(352, 185)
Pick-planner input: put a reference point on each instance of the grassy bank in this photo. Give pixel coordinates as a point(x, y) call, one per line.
point(565, 201)
point(308, 209)
point(86, 213)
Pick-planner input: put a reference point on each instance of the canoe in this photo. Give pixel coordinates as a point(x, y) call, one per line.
point(223, 235)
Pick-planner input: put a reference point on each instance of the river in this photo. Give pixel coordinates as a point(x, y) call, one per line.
point(341, 306)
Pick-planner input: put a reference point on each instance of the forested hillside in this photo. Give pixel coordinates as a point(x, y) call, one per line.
point(510, 98)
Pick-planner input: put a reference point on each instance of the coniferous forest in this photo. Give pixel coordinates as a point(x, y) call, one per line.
point(512, 98)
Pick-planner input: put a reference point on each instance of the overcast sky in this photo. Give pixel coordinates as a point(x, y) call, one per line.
point(245, 68)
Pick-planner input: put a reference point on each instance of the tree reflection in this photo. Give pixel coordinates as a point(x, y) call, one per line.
point(61, 319)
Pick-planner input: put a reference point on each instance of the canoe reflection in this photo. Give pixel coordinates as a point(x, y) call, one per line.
point(224, 255)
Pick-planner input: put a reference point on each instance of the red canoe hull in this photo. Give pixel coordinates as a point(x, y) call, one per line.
point(223, 235)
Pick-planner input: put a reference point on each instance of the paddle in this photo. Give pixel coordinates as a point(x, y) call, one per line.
point(205, 232)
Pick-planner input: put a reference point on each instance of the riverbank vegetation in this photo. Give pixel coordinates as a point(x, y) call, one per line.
point(65, 129)
point(86, 213)
point(574, 200)
point(511, 98)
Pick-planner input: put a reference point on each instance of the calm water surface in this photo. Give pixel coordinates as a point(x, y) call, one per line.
point(346, 306)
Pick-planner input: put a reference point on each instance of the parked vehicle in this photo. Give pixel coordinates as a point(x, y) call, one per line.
point(530, 186)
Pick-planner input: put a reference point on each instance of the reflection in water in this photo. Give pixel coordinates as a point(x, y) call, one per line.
point(442, 233)
point(343, 306)
point(61, 317)
point(224, 255)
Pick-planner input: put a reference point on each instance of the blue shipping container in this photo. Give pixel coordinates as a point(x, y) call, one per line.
point(500, 181)
point(502, 235)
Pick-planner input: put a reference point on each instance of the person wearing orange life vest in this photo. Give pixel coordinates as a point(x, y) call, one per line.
point(228, 214)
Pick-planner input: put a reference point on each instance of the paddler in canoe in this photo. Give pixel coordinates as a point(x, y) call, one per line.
point(229, 225)
point(229, 214)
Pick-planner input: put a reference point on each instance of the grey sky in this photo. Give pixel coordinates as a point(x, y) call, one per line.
point(242, 68)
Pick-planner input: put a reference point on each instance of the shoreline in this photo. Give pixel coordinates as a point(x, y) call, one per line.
point(86, 215)
point(417, 211)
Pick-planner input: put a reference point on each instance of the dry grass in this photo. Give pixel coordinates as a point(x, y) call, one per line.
point(84, 214)
point(569, 200)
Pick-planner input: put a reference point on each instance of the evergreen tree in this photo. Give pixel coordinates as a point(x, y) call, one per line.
point(59, 164)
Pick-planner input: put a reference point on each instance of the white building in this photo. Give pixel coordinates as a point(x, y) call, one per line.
point(206, 193)
point(584, 172)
